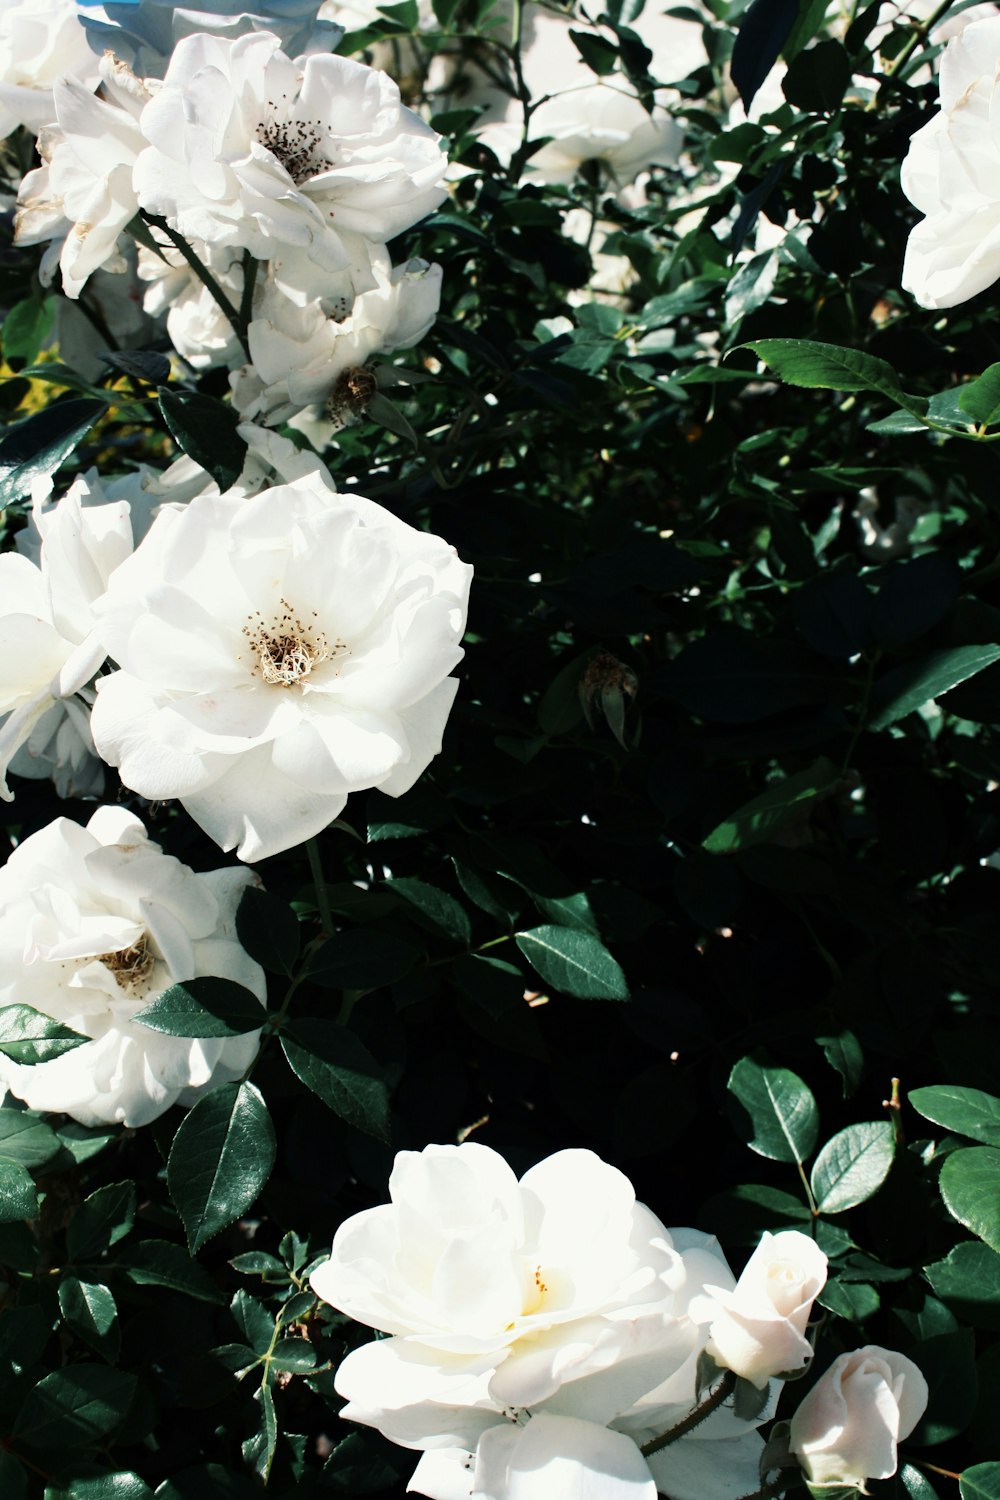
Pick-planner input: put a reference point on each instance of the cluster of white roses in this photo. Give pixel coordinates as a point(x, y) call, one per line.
point(548, 1337)
point(264, 190)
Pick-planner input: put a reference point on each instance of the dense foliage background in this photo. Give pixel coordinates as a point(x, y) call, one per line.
point(703, 878)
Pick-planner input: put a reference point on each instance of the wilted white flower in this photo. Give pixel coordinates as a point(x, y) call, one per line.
point(277, 653)
point(94, 923)
point(82, 196)
point(248, 148)
point(952, 175)
point(144, 33)
point(759, 1328)
point(846, 1429)
point(47, 619)
point(40, 41)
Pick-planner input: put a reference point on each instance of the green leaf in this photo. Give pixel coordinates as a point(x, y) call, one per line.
point(441, 912)
point(818, 77)
point(205, 430)
point(253, 1320)
point(751, 287)
point(965, 1111)
point(777, 1117)
point(27, 1036)
point(362, 960)
point(916, 1485)
point(24, 1332)
point(908, 687)
point(948, 1362)
point(125, 1485)
point(295, 1355)
point(259, 1449)
point(74, 1406)
point(268, 930)
point(18, 1198)
point(759, 820)
point(575, 962)
point(980, 1482)
point(92, 1313)
point(853, 1300)
point(968, 1280)
point(332, 1062)
point(897, 424)
point(26, 327)
point(843, 1052)
point(828, 367)
point(970, 1187)
point(491, 983)
point(600, 55)
point(101, 1221)
point(221, 1157)
point(161, 1263)
point(980, 399)
point(385, 412)
point(204, 1007)
point(40, 443)
point(852, 1166)
point(26, 1139)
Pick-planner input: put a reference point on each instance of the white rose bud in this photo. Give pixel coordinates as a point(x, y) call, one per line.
point(759, 1330)
point(847, 1428)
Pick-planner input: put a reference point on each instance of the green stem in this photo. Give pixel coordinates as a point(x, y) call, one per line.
point(694, 1418)
point(322, 898)
point(250, 268)
point(921, 31)
point(203, 274)
point(776, 1487)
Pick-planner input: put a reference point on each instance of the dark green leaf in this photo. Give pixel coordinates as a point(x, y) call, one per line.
point(442, 912)
point(26, 327)
point(362, 960)
point(332, 1062)
point(125, 1485)
point(160, 1263)
point(26, 1139)
point(259, 1449)
point(492, 983)
point(908, 687)
point(203, 1007)
point(853, 1300)
point(764, 29)
point(573, 961)
point(13, 1478)
point(776, 1111)
point(828, 367)
point(40, 443)
point(221, 1157)
point(843, 1052)
point(852, 1166)
point(965, 1111)
point(818, 77)
point(980, 399)
point(970, 1187)
point(73, 1406)
point(254, 1321)
point(24, 1332)
point(27, 1036)
point(948, 1362)
point(600, 55)
point(145, 364)
point(980, 1482)
point(91, 1312)
point(759, 820)
point(101, 1221)
point(268, 930)
point(205, 430)
point(18, 1198)
point(968, 1280)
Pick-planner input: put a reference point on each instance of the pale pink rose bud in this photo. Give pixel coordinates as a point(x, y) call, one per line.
point(759, 1330)
point(847, 1428)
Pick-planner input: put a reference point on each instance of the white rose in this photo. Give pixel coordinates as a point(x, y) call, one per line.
point(82, 196)
point(145, 32)
point(46, 615)
point(277, 653)
point(94, 923)
point(40, 41)
point(228, 164)
point(759, 1329)
point(846, 1429)
point(952, 175)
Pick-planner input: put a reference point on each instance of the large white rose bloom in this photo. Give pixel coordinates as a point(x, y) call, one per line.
point(248, 147)
point(952, 175)
point(542, 1331)
point(94, 923)
point(40, 41)
point(277, 653)
point(846, 1429)
point(46, 614)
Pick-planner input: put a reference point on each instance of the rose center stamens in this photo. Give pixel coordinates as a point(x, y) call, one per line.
point(296, 144)
point(131, 966)
point(287, 649)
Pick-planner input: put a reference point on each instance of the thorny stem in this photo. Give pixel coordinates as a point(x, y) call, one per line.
point(204, 275)
point(694, 1418)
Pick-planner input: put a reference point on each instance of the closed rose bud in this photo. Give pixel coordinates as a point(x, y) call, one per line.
point(846, 1430)
point(759, 1330)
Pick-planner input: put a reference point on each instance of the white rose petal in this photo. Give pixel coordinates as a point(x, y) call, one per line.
point(759, 1329)
point(846, 1429)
